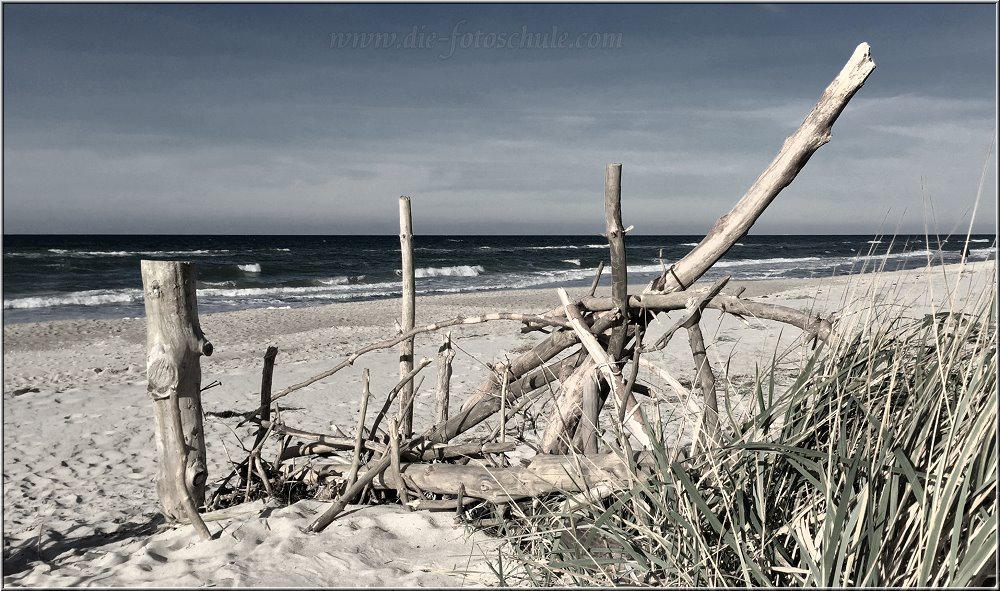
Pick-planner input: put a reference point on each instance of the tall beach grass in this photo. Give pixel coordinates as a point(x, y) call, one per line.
point(876, 467)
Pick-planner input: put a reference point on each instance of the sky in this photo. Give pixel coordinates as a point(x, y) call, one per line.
point(278, 119)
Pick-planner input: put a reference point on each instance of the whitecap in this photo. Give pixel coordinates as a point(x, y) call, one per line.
point(456, 271)
point(94, 297)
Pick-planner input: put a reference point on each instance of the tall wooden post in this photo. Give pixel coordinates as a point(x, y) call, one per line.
point(174, 345)
point(619, 267)
point(408, 315)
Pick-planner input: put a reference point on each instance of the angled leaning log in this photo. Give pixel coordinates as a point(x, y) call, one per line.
point(174, 346)
point(814, 132)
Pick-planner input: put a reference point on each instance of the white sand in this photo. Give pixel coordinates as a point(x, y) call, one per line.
point(80, 505)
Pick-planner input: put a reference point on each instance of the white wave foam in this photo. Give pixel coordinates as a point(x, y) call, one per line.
point(334, 281)
point(657, 268)
point(154, 253)
point(690, 244)
point(980, 240)
point(251, 268)
point(894, 255)
point(130, 253)
point(94, 297)
point(335, 291)
point(874, 242)
point(983, 252)
point(457, 271)
point(568, 246)
point(572, 261)
point(774, 261)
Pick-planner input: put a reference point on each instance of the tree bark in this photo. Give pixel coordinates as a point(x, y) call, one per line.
point(814, 132)
point(174, 346)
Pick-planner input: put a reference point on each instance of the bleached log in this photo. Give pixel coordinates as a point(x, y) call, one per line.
point(814, 132)
point(174, 346)
point(408, 315)
point(544, 474)
point(589, 424)
point(566, 409)
point(609, 369)
point(463, 421)
point(728, 304)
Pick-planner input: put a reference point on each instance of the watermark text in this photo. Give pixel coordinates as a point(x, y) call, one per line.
point(461, 38)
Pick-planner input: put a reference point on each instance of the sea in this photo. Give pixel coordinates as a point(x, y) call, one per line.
point(57, 277)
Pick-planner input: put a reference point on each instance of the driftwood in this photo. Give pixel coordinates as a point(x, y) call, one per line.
point(174, 345)
point(359, 436)
point(408, 315)
point(545, 474)
point(443, 393)
point(392, 342)
point(730, 304)
point(814, 132)
point(582, 362)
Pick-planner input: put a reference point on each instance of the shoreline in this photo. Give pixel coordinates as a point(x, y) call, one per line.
point(79, 460)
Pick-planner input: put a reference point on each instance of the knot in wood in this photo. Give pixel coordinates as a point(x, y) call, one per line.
point(161, 376)
point(154, 290)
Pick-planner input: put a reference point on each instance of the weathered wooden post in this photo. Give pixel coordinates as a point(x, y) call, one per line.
point(591, 411)
point(445, 356)
point(408, 315)
point(174, 345)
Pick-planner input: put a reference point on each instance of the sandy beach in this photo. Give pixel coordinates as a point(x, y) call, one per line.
point(80, 505)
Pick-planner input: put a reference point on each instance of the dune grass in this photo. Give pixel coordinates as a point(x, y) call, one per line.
point(876, 467)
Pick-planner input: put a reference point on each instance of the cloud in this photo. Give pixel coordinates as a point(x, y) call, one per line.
point(167, 119)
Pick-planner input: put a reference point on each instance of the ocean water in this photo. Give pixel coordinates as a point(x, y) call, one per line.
point(52, 277)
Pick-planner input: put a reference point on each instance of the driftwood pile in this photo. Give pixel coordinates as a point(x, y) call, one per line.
point(591, 357)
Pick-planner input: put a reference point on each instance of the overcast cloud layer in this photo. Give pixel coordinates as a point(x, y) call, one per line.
point(230, 119)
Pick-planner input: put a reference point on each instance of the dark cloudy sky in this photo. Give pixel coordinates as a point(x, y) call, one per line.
point(243, 118)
